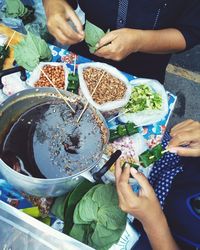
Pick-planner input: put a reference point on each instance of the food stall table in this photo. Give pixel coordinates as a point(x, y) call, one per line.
point(152, 133)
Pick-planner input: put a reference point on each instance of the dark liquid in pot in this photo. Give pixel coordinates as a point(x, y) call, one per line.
point(49, 143)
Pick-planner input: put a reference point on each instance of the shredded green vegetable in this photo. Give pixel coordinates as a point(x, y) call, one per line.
point(142, 98)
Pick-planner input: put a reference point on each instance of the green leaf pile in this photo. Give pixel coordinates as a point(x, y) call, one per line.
point(98, 221)
point(143, 98)
point(30, 51)
point(93, 34)
point(15, 8)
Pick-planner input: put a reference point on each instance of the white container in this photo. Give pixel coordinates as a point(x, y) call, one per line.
point(20, 231)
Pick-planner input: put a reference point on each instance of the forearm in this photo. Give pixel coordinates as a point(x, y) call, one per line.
point(162, 41)
point(160, 236)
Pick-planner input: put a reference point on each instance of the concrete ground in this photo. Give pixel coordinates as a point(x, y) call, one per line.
point(183, 80)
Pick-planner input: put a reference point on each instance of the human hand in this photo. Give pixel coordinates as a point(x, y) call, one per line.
point(58, 13)
point(118, 44)
point(185, 133)
point(144, 206)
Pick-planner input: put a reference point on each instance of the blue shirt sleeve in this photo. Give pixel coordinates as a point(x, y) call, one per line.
point(189, 24)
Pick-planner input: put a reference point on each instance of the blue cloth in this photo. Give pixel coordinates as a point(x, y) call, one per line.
point(164, 171)
point(183, 221)
point(176, 182)
point(146, 15)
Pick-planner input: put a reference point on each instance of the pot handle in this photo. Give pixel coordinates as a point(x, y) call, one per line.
point(97, 176)
point(6, 72)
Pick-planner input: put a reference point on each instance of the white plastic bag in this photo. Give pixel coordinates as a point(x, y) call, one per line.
point(108, 106)
point(147, 117)
point(35, 75)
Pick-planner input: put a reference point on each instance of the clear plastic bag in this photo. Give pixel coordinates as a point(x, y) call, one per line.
point(108, 106)
point(35, 75)
point(148, 116)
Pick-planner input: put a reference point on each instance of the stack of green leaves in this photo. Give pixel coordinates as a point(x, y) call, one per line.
point(98, 221)
point(30, 51)
point(15, 8)
point(143, 98)
point(3, 55)
point(93, 34)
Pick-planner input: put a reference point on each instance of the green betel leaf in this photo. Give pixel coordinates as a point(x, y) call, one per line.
point(15, 8)
point(93, 34)
point(25, 56)
point(58, 207)
point(72, 201)
point(39, 46)
point(88, 210)
point(30, 51)
point(104, 238)
point(76, 218)
point(78, 232)
point(111, 217)
point(105, 194)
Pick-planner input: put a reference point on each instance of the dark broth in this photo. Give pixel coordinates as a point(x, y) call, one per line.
point(50, 143)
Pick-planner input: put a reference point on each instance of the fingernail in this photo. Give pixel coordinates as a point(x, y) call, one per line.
point(127, 165)
point(172, 150)
point(133, 171)
point(97, 45)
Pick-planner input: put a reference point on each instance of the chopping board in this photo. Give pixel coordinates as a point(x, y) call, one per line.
point(16, 39)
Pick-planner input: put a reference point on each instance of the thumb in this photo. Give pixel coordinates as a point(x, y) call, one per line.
point(185, 151)
point(142, 180)
point(76, 21)
point(108, 38)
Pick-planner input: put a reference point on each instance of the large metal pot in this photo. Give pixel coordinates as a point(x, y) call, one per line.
point(10, 110)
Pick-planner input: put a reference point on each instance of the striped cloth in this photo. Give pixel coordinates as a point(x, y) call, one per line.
point(122, 13)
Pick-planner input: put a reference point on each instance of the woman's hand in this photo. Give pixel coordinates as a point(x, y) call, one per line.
point(58, 13)
point(187, 134)
point(144, 206)
point(118, 44)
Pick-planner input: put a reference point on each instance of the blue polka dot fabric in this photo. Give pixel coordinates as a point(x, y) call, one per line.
point(164, 171)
